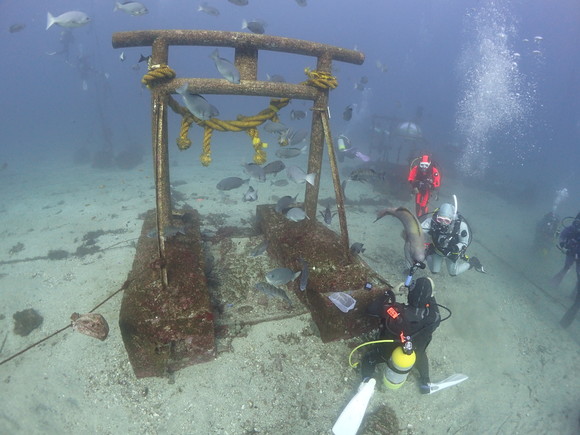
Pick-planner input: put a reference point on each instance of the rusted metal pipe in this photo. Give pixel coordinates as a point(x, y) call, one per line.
point(215, 38)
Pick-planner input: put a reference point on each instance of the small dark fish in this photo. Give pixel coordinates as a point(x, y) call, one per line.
point(239, 2)
point(302, 3)
point(357, 248)
point(270, 290)
point(287, 153)
point(16, 27)
point(284, 203)
point(280, 183)
point(274, 167)
point(476, 264)
point(297, 114)
point(297, 136)
point(327, 215)
point(251, 195)
point(347, 114)
point(364, 175)
point(230, 183)
point(304, 274)
point(260, 249)
point(168, 232)
point(144, 58)
point(255, 26)
point(364, 80)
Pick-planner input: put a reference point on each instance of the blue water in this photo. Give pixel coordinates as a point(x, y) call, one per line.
point(493, 86)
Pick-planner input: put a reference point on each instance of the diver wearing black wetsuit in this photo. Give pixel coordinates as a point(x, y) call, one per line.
point(419, 318)
point(570, 244)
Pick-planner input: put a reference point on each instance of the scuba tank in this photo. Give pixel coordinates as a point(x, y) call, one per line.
point(399, 365)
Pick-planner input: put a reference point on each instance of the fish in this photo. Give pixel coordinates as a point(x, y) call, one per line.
point(364, 175)
point(144, 58)
point(168, 232)
point(381, 67)
point(207, 9)
point(297, 114)
point(132, 8)
point(297, 175)
point(122, 56)
point(276, 78)
point(197, 105)
point(279, 183)
point(414, 237)
point(357, 248)
point(230, 183)
point(239, 2)
point(254, 26)
point(304, 275)
point(270, 290)
point(281, 276)
point(16, 27)
point(347, 114)
point(68, 19)
point(275, 127)
point(255, 171)
point(476, 264)
point(327, 215)
point(274, 167)
point(251, 195)
point(225, 68)
point(294, 137)
point(259, 250)
point(296, 214)
point(284, 203)
point(287, 153)
point(302, 3)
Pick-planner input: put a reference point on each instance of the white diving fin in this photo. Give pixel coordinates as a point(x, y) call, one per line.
point(350, 419)
point(446, 383)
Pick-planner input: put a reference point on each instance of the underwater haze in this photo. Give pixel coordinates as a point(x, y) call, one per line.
point(490, 89)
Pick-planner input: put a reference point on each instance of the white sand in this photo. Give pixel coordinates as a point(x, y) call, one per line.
point(504, 330)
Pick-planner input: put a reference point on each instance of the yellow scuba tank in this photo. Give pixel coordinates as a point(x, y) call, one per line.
point(399, 365)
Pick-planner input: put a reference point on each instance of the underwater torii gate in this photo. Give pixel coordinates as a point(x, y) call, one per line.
point(166, 317)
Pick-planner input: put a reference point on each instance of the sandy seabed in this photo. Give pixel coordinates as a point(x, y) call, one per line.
point(277, 377)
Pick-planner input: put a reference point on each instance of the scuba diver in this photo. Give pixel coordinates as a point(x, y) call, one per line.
point(546, 231)
point(450, 236)
point(424, 177)
point(410, 327)
point(570, 245)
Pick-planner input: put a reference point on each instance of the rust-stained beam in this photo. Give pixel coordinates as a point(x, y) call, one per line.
point(215, 38)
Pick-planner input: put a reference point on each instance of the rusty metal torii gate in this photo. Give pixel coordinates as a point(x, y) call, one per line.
point(246, 47)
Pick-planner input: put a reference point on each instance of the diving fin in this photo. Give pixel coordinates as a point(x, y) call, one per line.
point(446, 383)
point(350, 419)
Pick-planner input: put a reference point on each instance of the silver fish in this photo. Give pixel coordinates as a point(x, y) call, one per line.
point(297, 175)
point(239, 2)
point(274, 127)
point(226, 68)
point(197, 105)
point(270, 290)
point(414, 237)
point(287, 153)
point(279, 183)
point(296, 214)
point(281, 276)
point(276, 78)
point(230, 183)
point(304, 274)
point(210, 10)
point(251, 195)
point(68, 19)
point(131, 8)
